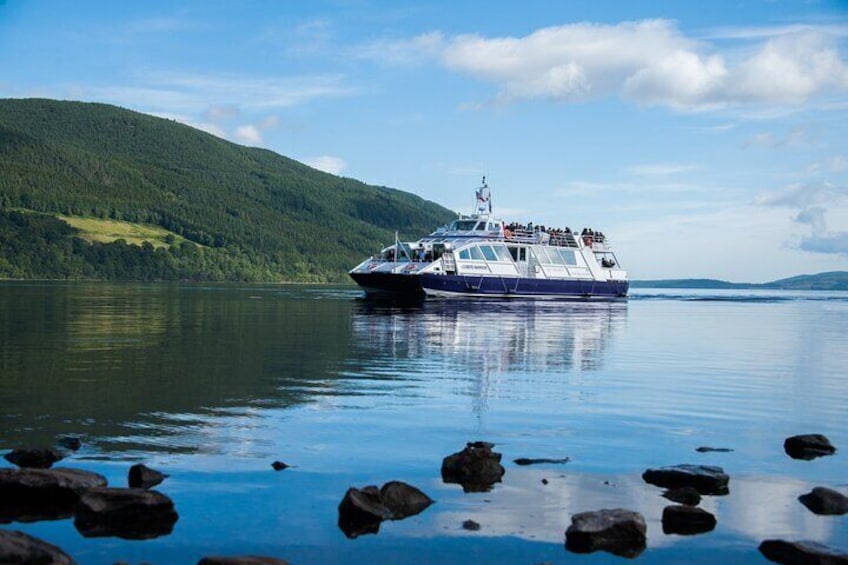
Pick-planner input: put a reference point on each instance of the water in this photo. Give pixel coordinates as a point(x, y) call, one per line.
point(213, 383)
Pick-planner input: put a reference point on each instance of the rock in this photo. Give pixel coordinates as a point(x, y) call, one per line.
point(27, 495)
point(70, 442)
point(687, 520)
point(18, 547)
point(706, 479)
point(617, 531)
point(801, 553)
point(141, 476)
point(403, 500)
point(476, 467)
point(362, 510)
point(41, 458)
point(241, 560)
point(808, 446)
point(684, 495)
point(279, 465)
point(129, 513)
point(526, 461)
point(705, 449)
point(825, 501)
point(470, 525)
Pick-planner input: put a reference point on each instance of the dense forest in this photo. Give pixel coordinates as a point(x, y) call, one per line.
point(232, 212)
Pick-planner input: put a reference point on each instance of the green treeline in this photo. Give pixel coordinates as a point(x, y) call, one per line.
point(248, 214)
point(36, 246)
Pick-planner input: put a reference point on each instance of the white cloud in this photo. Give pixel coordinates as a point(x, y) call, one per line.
point(650, 62)
point(794, 137)
point(413, 51)
point(249, 135)
point(661, 169)
point(813, 202)
point(327, 163)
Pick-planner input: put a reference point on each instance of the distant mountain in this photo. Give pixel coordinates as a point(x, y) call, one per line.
point(224, 211)
point(834, 280)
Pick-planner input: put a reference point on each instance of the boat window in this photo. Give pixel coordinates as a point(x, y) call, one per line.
point(544, 258)
point(568, 256)
point(475, 253)
point(464, 255)
point(488, 253)
point(502, 253)
point(518, 253)
point(513, 251)
point(462, 225)
point(480, 226)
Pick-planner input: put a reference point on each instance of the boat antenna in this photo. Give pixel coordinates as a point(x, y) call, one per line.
point(483, 198)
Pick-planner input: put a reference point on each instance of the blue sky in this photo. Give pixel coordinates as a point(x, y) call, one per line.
point(705, 139)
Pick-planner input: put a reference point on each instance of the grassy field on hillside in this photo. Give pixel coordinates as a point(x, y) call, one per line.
point(106, 231)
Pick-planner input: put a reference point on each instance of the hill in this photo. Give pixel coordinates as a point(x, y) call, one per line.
point(834, 280)
point(221, 211)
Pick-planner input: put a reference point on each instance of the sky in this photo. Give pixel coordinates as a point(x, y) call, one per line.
point(705, 139)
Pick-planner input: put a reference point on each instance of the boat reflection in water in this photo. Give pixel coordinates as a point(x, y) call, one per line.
point(496, 347)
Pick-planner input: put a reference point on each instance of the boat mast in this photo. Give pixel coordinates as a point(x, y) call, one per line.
point(483, 203)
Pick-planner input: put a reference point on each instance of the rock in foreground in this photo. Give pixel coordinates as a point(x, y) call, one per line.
point(825, 501)
point(808, 446)
point(27, 495)
point(141, 476)
point(18, 547)
point(241, 560)
point(801, 553)
point(477, 468)
point(687, 520)
point(707, 479)
point(617, 531)
point(34, 458)
point(129, 513)
point(362, 510)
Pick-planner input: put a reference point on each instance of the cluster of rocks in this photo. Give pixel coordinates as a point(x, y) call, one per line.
point(622, 532)
point(36, 491)
point(361, 511)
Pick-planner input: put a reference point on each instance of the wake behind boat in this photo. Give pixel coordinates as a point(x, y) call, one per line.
point(480, 255)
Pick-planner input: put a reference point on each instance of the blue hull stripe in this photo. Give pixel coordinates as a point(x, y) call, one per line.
point(505, 286)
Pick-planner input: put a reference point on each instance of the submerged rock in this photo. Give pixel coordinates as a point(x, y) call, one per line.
point(528, 461)
point(39, 458)
point(470, 525)
point(687, 520)
point(808, 446)
point(129, 513)
point(477, 467)
point(684, 495)
point(18, 547)
point(707, 479)
point(801, 552)
point(617, 531)
point(70, 442)
point(705, 449)
point(279, 465)
point(141, 476)
point(241, 560)
point(825, 501)
point(361, 511)
point(28, 495)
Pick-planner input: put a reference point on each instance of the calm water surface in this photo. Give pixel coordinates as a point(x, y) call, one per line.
point(212, 383)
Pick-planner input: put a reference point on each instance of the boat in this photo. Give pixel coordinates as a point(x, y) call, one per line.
point(479, 255)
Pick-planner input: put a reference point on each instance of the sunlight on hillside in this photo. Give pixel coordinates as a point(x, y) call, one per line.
point(106, 231)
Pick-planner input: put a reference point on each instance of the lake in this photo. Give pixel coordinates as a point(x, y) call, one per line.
point(212, 383)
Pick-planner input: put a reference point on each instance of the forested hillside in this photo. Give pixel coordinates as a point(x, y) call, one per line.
point(232, 212)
